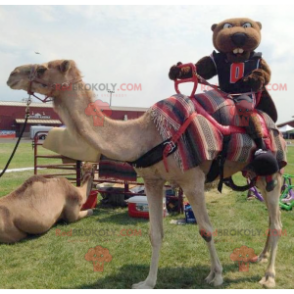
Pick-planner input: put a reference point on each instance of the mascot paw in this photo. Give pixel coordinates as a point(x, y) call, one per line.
point(175, 72)
point(255, 80)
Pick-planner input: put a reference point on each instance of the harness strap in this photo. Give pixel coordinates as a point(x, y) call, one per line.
point(162, 150)
point(221, 161)
point(230, 183)
point(175, 138)
point(154, 155)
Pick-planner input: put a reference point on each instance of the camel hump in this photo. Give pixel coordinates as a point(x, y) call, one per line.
point(29, 182)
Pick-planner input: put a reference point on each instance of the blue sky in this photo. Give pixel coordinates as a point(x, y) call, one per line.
point(137, 44)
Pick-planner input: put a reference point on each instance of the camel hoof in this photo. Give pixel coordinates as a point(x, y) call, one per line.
point(90, 212)
point(218, 280)
point(215, 279)
point(209, 278)
point(142, 285)
point(268, 282)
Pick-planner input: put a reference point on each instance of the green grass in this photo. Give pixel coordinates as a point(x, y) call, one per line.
point(51, 261)
point(24, 156)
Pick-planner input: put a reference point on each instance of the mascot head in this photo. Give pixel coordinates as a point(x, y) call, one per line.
point(236, 37)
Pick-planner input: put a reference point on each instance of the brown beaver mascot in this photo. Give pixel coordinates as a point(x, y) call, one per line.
point(243, 72)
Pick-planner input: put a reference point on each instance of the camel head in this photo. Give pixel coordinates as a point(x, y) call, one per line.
point(48, 78)
point(87, 175)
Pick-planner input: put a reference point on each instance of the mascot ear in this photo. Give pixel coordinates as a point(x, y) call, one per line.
point(259, 24)
point(213, 27)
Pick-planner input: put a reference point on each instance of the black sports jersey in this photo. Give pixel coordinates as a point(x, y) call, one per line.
point(230, 74)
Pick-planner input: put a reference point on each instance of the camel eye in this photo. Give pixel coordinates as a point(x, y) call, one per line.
point(247, 25)
point(227, 26)
point(41, 70)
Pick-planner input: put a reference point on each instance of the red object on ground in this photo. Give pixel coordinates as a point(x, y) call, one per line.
point(138, 207)
point(91, 201)
point(135, 212)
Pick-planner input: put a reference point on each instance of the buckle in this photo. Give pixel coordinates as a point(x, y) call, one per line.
point(170, 146)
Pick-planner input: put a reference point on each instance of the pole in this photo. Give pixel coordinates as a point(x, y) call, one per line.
point(109, 91)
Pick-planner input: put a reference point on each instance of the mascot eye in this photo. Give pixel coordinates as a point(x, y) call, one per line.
point(247, 25)
point(227, 25)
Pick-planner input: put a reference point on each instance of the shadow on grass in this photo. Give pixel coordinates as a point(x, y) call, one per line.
point(106, 216)
point(168, 278)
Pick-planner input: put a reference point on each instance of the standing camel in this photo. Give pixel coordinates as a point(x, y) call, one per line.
point(127, 141)
point(40, 202)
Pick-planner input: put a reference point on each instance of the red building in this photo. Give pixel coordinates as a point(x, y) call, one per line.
point(290, 123)
point(12, 115)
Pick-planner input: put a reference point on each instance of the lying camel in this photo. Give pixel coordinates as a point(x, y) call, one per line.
point(40, 202)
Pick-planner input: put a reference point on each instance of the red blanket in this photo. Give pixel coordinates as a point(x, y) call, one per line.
point(202, 141)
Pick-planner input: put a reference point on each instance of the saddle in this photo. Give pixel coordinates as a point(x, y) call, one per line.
point(215, 131)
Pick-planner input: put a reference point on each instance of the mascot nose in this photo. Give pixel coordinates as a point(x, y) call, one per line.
point(239, 39)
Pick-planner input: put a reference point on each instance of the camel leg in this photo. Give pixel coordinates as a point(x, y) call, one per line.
point(195, 194)
point(154, 192)
point(12, 235)
point(275, 228)
point(74, 214)
point(9, 232)
point(263, 256)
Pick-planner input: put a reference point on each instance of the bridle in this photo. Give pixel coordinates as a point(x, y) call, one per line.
point(86, 174)
point(33, 77)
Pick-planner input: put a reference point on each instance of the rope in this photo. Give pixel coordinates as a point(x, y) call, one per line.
point(19, 138)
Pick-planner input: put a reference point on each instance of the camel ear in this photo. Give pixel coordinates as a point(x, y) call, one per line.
point(64, 66)
point(41, 69)
point(259, 24)
point(213, 27)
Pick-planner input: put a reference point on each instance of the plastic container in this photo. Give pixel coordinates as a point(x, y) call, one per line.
point(189, 215)
point(172, 200)
point(91, 201)
point(138, 207)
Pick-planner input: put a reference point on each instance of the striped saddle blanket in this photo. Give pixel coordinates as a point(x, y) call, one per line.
point(202, 141)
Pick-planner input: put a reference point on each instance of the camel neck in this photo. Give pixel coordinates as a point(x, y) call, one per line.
point(119, 140)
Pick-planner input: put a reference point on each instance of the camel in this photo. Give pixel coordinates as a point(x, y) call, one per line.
point(127, 141)
point(40, 202)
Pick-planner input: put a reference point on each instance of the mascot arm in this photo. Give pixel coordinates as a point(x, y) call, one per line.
point(259, 77)
point(205, 68)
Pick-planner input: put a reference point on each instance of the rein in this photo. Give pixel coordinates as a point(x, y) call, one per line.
point(27, 115)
